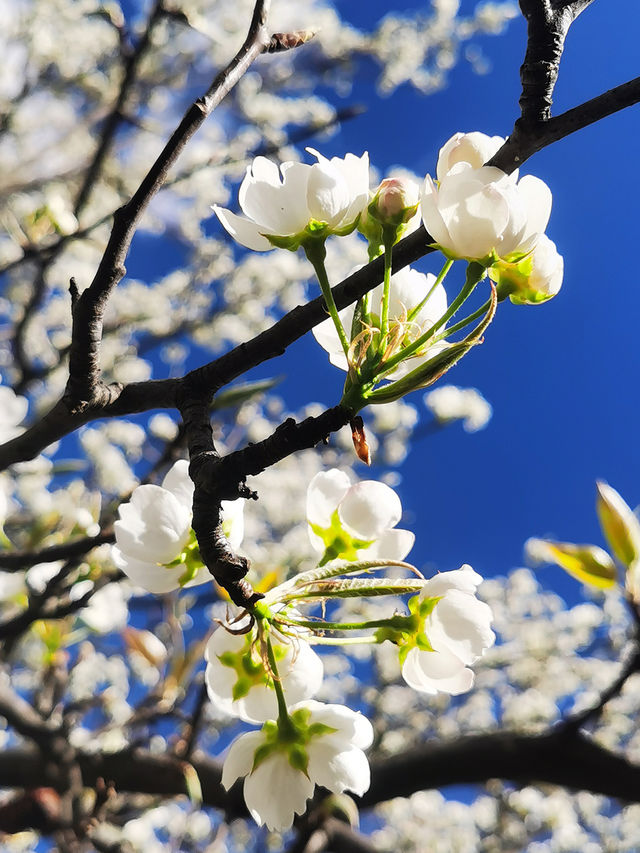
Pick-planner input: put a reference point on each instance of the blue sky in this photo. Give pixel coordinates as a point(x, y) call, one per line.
point(561, 376)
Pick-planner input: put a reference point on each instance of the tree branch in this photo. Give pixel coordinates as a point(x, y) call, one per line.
point(574, 762)
point(84, 386)
point(548, 23)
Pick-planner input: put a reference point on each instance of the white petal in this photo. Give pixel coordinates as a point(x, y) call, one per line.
point(431, 216)
point(464, 579)
point(391, 545)
point(473, 148)
point(324, 493)
point(326, 335)
point(242, 230)
point(338, 771)
point(352, 727)
point(369, 508)
point(430, 672)
point(327, 194)
point(537, 199)
point(152, 577)
point(275, 792)
point(239, 760)
point(475, 210)
point(154, 526)
point(462, 624)
point(179, 483)
point(233, 521)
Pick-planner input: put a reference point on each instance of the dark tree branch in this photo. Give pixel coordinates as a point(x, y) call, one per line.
point(548, 23)
point(574, 762)
point(159, 394)
point(527, 140)
point(84, 387)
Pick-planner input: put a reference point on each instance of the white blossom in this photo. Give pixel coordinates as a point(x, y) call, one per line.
point(154, 529)
point(482, 213)
point(282, 202)
point(355, 521)
point(458, 631)
point(239, 683)
point(450, 403)
point(281, 773)
point(408, 290)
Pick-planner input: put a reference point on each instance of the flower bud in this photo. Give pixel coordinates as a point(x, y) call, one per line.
point(395, 201)
point(532, 280)
point(393, 204)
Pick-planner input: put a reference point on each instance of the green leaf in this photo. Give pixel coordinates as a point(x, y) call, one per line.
point(358, 588)
point(243, 391)
point(588, 563)
point(619, 524)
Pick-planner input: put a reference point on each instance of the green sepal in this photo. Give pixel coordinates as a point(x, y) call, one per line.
point(337, 542)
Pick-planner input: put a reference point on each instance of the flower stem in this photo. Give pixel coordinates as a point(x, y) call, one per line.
point(469, 319)
point(475, 272)
point(389, 236)
point(316, 253)
point(441, 276)
point(320, 625)
point(284, 720)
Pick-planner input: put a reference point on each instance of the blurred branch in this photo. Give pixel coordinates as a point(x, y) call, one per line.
point(131, 65)
point(14, 561)
point(572, 761)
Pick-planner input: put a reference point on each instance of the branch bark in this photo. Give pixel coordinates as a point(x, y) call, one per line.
point(572, 761)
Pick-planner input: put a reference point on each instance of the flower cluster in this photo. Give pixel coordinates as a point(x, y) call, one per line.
point(270, 673)
point(397, 334)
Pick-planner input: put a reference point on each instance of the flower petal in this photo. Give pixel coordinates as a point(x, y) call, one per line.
point(324, 493)
point(369, 508)
point(242, 230)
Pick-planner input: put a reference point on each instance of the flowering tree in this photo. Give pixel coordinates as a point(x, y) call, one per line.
point(210, 624)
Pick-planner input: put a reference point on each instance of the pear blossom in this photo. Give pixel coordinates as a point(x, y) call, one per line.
point(153, 533)
point(407, 291)
point(455, 633)
point(283, 205)
point(449, 403)
point(483, 214)
point(107, 609)
point(353, 521)
point(534, 279)
point(239, 683)
point(323, 746)
point(474, 149)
